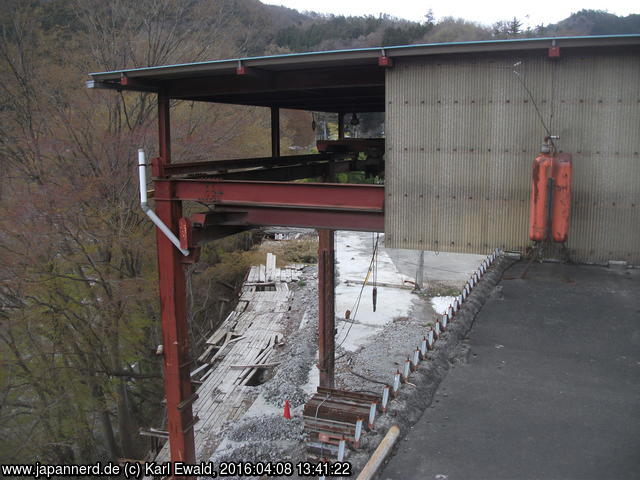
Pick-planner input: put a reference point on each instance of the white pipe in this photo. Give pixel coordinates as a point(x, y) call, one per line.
point(406, 369)
point(380, 454)
point(396, 382)
point(142, 174)
point(385, 397)
point(372, 414)
point(358, 432)
point(341, 448)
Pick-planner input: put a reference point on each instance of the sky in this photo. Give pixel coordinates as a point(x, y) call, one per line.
point(488, 12)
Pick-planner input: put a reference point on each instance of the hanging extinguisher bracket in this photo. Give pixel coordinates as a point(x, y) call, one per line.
point(550, 203)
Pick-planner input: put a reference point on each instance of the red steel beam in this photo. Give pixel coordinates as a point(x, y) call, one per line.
point(359, 221)
point(203, 227)
point(284, 194)
point(326, 307)
point(224, 165)
point(173, 306)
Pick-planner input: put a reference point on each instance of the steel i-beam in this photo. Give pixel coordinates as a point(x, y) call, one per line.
point(326, 307)
point(173, 307)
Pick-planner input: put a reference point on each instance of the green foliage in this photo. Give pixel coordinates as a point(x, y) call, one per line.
point(508, 28)
point(405, 35)
point(355, 177)
point(457, 30)
point(311, 34)
point(596, 22)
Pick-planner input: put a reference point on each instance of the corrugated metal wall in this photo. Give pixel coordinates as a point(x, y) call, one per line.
point(461, 135)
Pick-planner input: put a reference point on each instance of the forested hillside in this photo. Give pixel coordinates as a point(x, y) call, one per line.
point(79, 321)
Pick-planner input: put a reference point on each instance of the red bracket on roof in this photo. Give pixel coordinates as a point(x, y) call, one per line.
point(384, 61)
point(136, 85)
point(241, 69)
point(554, 52)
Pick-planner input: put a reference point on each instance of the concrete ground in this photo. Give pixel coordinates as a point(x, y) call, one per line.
point(451, 269)
point(551, 389)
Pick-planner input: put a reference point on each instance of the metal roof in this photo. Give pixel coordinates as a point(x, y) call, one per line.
point(338, 80)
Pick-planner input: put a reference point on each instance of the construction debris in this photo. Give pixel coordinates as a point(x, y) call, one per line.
point(381, 369)
point(333, 418)
point(240, 353)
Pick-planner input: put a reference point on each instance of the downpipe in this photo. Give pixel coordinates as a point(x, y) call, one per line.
point(142, 175)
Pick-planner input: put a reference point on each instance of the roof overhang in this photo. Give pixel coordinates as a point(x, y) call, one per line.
point(336, 81)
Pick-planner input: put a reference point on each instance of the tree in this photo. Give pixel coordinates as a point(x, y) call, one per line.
point(507, 28)
point(514, 27)
point(79, 319)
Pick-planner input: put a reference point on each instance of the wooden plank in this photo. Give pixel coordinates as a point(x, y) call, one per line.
point(270, 267)
point(244, 344)
point(254, 274)
point(219, 352)
point(217, 336)
point(206, 353)
point(200, 369)
point(255, 365)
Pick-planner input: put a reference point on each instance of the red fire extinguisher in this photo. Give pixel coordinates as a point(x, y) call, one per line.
point(561, 203)
point(550, 203)
point(539, 211)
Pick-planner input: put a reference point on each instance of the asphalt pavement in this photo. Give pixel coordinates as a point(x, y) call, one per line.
point(551, 389)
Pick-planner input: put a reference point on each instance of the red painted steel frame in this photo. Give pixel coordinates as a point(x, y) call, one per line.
point(173, 309)
point(301, 195)
point(326, 307)
point(244, 203)
point(358, 220)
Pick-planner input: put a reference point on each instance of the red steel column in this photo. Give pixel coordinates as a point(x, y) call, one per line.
point(326, 307)
point(173, 304)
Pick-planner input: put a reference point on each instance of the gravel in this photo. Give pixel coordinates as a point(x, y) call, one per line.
point(273, 438)
point(299, 354)
point(269, 437)
point(262, 439)
point(379, 361)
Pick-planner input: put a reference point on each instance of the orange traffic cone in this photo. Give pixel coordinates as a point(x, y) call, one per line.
point(287, 410)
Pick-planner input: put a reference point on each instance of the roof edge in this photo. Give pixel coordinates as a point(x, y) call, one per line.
point(373, 52)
